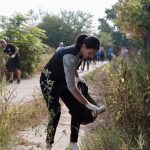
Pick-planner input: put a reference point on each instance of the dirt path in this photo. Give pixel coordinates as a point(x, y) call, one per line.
point(35, 137)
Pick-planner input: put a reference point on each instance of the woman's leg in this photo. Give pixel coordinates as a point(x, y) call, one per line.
point(54, 111)
point(11, 74)
point(51, 97)
point(9, 66)
point(75, 109)
point(75, 126)
point(18, 71)
point(17, 67)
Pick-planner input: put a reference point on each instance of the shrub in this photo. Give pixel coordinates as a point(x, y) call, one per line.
point(27, 38)
point(128, 97)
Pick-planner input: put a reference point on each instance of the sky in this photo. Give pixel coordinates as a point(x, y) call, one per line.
point(94, 7)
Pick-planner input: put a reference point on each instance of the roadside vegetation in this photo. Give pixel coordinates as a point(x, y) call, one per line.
point(127, 96)
point(15, 117)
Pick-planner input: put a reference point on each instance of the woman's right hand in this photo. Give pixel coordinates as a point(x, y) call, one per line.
point(94, 107)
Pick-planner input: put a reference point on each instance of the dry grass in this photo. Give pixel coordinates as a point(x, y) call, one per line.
point(102, 134)
point(125, 86)
point(14, 118)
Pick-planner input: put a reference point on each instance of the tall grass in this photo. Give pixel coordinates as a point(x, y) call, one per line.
point(14, 118)
point(128, 97)
point(128, 102)
point(107, 137)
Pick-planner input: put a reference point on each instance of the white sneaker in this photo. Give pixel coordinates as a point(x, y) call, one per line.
point(101, 110)
point(74, 146)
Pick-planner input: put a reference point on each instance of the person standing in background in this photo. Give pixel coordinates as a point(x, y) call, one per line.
point(102, 54)
point(61, 45)
point(110, 53)
point(13, 63)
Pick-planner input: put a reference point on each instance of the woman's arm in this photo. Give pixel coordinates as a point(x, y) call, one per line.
point(69, 63)
point(78, 95)
point(16, 51)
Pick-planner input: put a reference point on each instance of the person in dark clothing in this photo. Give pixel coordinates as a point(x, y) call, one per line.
point(101, 54)
point(110, 53)
point(13, 63)
point(58, 81)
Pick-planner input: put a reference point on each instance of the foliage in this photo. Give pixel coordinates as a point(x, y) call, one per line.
point(128, 97)
point(65, 27)
point(118, 38)
point(133, 17)
point(104, 26)
point(56, 30)
point(17, 30)
point(79, 21)
point(105, 38)
point(125, 126)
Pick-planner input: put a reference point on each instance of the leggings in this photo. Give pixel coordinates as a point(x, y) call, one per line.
point(51, 95)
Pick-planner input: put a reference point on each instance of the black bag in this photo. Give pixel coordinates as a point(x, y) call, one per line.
point(86, 116)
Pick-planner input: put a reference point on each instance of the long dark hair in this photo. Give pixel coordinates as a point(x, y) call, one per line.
point(79, 40)
point(89, 41)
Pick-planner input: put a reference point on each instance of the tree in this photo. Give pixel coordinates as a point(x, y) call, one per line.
point(104, 26)
point(56, 30)
point(118, 38)
point(65, 27)
point(79, 21)
point(16, 29)
point(105, 38)
point(133, 18)
point(111, 13)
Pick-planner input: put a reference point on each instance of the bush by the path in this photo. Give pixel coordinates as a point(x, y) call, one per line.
point(27, 38)
point(128, 97)
point(128, 102)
